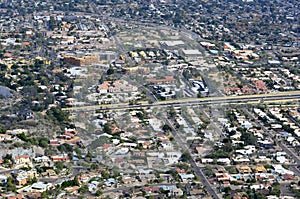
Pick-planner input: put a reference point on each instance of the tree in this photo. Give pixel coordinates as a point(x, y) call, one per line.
point(83, 189)
point(7, 158)
point(88, 156)
point(166, 128)
point(110, 71)
point(43, 142)
point(94, 166)
point(23, 137)
point(106, 128)
point(44, 194)
point(2, 130)
point(78, 152)
point(65, 147)
point(33, 180)
point(59, 165)
point(105, 174)
point(172, 112)
point(227, 189)
point(99, 193)
point(199, 95)
point(186, 74)
point(70, 183)
point(58, 115)
point(248, 138)
point(9, 185)
point(275, 190)
point(185, 157)
point(52, 23)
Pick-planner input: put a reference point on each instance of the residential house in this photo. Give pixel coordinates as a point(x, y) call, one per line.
point(84, 178)
point(5, 137)
point(222, 177)
point(39, 187)
point(225, 161)
point(28, 174)
point(259, 169)
point(62, 157)
point(14, 196)
point(176, 192)
point(49, 173)
point(109, 182)
point(243, 169)
point(54, 142)
point(152, 189)
point(23, 159)
point(128, 180)
point(21, 180)
point(41, 159)
point(185, 177)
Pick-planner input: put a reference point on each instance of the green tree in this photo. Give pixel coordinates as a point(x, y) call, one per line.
point(33, 180)
point(83, 189)
point(185, 157)
point(44, 194)
point(248, 138)
point(106, 128)
point(78, 152)
point(70, 183)
point(172, 112)
point(43, 142)
point(110, 71)
point(10, 186)
point(65, 147)
point(99, 193)
point(59, 165)
point(58, 115)
point(105, 174)
point(166, 128)
point(2, 130)
point(7, 158)
point(52, 23)
point(94, 166)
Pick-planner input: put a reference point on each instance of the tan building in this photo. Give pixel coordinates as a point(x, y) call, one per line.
point(84, 60)
point(259, 169)
point(243, 169)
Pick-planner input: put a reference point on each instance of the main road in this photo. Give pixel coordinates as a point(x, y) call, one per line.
point(114, 36)
point(243, 99)
point(193, 163)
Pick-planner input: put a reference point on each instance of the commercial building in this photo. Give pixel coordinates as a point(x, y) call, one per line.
point(81, 59)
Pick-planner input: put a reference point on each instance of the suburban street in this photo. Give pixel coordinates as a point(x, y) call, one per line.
point(197, 170)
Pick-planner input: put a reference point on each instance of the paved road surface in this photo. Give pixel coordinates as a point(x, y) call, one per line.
point(259, 98)
point(197, 170)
